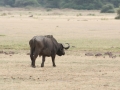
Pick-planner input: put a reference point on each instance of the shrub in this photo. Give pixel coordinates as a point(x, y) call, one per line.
point(118, 17)
point(20, 3)
point(118, 13)
point(108, 8)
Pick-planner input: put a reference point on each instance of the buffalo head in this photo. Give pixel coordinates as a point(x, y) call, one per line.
point(61, 51)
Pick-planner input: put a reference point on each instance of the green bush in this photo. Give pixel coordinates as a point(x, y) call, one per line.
point(108, 8)
point(20, 3)
point(118, 13)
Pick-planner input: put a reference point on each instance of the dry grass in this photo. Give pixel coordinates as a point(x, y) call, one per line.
point(84, 30)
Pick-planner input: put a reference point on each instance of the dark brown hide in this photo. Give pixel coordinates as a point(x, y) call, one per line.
point(45, 46)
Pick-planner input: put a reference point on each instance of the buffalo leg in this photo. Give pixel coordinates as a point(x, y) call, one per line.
point(31, 55)
point(43, 60)
point(53, 61)
point(34, 58)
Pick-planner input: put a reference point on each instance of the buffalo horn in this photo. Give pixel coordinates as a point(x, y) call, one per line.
point(67, 46)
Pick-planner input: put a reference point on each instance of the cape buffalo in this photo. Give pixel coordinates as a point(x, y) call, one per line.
point(45, 46)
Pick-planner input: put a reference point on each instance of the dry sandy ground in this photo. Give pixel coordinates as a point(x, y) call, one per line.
point(73, 72)
point(66, 24)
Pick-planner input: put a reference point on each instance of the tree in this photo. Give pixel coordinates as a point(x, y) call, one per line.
point(116, 3)
point(2, 2)
point(108, 8)
point(9, 2)
point(74, 4)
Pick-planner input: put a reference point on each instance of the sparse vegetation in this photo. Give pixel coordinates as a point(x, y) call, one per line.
point(91, 14)
point(83, 44)
point(104, 18)
point(3, 14)
point(14, 46)
point(79, 14)
point(96, 44)
point(2, 35)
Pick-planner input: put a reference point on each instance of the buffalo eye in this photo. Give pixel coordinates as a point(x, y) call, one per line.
point(61, 49)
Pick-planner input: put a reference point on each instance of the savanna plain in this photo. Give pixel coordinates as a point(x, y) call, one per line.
point(91, 63)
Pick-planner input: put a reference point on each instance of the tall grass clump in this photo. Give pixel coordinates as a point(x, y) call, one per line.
point(1, 35)
point(108, 8)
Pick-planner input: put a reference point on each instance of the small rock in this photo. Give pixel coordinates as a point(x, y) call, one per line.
point(114, 56)
point(6, 53)
point(98, 54)
point(109, 53)
point(89, 54)
point(11, 52)
point(31, 16)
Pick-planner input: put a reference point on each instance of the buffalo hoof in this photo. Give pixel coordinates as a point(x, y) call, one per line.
point(42, 65)
point(54, 65)
point(33, 66)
